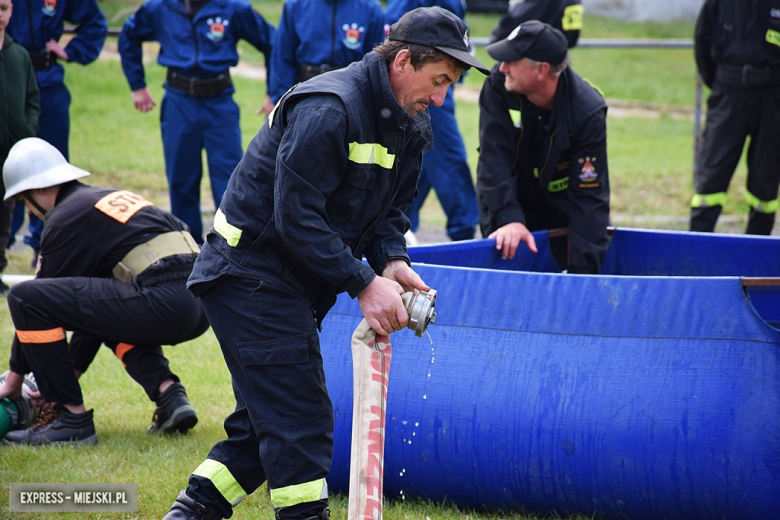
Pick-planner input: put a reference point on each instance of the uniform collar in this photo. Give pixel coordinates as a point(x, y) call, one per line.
point(66, 190)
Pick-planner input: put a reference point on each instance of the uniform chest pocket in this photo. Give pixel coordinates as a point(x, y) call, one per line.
point(349, 202)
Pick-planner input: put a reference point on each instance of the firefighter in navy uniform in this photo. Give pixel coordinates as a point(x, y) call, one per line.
point(198, 44)
point(543, 151)
point(564, 15)
point(325, 181)
point(113, 269)
point(317, 36)
point(38, 25)
point(737, 47)
point(445, 168)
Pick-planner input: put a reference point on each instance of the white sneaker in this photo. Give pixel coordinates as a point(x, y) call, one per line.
point(411, 240)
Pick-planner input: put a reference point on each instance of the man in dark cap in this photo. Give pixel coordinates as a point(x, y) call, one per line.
point(325, 181)
point(543, 150)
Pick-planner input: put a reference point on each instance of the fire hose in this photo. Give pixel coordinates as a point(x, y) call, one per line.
point(371, 356)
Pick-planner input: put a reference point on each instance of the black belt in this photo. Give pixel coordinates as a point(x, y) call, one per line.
point(306, 72)
point(43, 60)
point(746, 75)
point(198, 88)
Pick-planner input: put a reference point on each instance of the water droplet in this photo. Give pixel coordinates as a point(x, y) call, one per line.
point(417, 424)
point(410, 441)
point(404, 422)
point(425, 396)
point(401, 474)
point(413, 434)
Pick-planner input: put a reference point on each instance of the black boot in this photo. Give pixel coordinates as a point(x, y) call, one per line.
point(186, 508)
point(174, 412)
point(60, 427)
point(703, 219)
point(760, 223)
point(322, 515)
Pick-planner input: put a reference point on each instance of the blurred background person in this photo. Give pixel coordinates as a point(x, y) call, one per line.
point(445, 168)
point(198, 40)
point(38, 26)
point(317, 36)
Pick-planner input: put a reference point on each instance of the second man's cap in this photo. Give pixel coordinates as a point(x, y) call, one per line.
point(533, 40)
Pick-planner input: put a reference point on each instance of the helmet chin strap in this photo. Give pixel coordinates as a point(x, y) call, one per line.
point(35, 204)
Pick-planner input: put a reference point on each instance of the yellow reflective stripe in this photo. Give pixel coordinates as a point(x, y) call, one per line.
point(594, 86)
point(299, 493)
point(764, 206)
point(773, 37)
point(704, 201)
point(371, 153)
point(572, 18)
point(230, 233)
point(515, 115)
point(222, 479)
point(559, 185)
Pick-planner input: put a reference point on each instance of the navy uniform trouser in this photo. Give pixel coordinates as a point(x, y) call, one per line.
point(131, 319)
point(282, 427)
point(188, 126)
point(732, 116)
point(54, 128)
point(445, 168)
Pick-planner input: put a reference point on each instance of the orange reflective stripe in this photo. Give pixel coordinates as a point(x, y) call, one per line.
point(41, 336)
point(122, 349)
point(121, 205)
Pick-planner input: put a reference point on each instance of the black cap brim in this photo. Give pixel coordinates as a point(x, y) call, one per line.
point(466, 58)
point(503, 51)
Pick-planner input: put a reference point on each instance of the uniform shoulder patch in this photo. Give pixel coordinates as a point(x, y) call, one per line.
point(121, 205)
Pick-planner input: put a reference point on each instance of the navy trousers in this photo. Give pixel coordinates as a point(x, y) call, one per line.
point(54, 123)
point(445, 169)
point(282, 428)
point(131, 319)
point(188, 126)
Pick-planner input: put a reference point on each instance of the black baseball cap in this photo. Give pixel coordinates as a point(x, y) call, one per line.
point(533, 40)
point(438, 28)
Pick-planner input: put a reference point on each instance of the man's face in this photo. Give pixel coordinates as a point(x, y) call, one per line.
point(521, 76)
point(416, 89)
point(5, 13)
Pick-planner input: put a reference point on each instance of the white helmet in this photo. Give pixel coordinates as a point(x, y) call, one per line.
point(33, 163)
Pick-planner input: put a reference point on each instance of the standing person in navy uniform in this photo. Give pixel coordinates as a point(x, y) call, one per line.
point(198, 41)
point(564, 15)
point(445, 167)
point(38, 25)
point(316, 36)
point(737, 47)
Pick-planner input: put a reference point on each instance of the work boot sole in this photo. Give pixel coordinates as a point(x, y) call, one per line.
point(183, 419)
point(89, 441)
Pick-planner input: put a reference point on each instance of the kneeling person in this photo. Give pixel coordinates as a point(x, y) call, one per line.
point(112, 269)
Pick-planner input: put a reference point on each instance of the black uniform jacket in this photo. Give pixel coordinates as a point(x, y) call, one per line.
point(91, 229)
point(325, 181)
point(737, 33)
point(568, 161)
point(564, 15)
